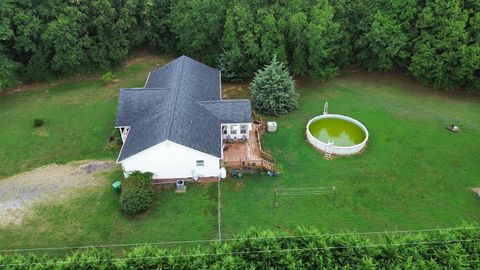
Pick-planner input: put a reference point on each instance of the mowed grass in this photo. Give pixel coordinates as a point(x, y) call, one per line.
point(93, 218)
point(413, 175)
point(79, 117)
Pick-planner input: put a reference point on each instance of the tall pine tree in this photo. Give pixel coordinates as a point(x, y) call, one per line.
point(274, 90)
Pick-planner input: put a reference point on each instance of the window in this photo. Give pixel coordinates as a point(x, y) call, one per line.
point(200, 163)
point(243, 129)
point(233, 129)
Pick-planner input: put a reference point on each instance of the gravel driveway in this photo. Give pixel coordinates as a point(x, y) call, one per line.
point(20, 193)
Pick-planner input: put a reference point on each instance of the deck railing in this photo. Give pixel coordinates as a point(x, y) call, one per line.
point(267, 162)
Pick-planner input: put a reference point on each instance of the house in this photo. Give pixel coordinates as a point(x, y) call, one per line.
point(176, 125)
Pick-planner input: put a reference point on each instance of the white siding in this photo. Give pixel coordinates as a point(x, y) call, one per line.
point(172, 160)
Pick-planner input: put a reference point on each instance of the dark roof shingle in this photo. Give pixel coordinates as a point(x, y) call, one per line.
point(180, 102)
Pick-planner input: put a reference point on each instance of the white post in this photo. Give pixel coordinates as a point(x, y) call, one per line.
point(325, 108)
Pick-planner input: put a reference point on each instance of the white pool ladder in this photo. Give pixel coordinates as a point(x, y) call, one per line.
point(328, 149)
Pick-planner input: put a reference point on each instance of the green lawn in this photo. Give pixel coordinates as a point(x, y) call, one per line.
point(93, 218)
point(413, 175)
point(79, 116)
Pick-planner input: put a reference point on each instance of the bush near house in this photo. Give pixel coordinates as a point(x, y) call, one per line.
point(273, 89)
point(137, 193)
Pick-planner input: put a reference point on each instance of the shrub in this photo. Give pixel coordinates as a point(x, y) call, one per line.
point(108, 77)
point(37, 122)
point(274, 90)
point(137, 193)
point(254, 249)
point(8, 70)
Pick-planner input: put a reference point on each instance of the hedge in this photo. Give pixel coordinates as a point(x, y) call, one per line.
point(457, 248)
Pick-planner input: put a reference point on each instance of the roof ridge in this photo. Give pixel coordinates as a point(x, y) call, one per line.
point(146, 89)
point(179, 79)
point(223, 101)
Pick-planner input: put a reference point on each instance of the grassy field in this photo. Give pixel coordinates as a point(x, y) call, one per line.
point(79, 116)
point(93, 218)
point(414, 173)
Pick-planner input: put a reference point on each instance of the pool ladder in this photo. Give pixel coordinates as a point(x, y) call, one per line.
point(328, 149)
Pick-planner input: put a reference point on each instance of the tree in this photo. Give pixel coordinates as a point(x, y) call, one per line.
point(8, 67)
point(269, 33)
point(325, 53)
point(273, 89)
point(386, 43)
point(473, 8)
point(64, 36)
point(297, 43)
point(442, 54)
point(159, 32)
point(197, 25)
point(240, 48)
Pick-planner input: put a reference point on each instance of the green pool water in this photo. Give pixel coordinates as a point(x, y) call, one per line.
point(341, 132)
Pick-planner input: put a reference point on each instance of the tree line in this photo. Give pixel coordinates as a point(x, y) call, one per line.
point(437, 41)
point(303, 249)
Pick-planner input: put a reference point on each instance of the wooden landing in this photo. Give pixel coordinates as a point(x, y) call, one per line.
point(238, 151)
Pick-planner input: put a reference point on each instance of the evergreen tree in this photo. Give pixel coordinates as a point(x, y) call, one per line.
point(274, 90)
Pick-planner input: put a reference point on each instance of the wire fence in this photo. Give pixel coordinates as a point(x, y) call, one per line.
point(247, 252)
point(258, 238)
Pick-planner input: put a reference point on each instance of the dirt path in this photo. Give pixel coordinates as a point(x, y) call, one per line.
point(51, 183)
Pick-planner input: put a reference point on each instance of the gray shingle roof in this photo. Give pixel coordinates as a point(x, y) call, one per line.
point(181, 103)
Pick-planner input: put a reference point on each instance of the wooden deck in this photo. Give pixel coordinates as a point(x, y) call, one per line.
point(249, 154)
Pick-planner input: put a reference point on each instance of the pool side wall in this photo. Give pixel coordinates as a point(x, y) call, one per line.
point(337, 150)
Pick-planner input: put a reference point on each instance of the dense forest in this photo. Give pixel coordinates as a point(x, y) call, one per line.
point(456, 248)
point(437, 41)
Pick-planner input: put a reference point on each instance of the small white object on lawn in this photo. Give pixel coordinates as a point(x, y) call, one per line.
point(271, 126)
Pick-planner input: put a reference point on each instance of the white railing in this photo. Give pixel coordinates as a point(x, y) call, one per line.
point(337, 150)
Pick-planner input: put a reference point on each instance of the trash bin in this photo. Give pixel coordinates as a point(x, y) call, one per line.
point(117, 186)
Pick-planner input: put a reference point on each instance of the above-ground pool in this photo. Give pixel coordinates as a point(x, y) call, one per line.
point(337, 134)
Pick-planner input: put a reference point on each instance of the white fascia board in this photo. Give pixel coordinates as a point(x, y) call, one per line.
point(173, 143)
